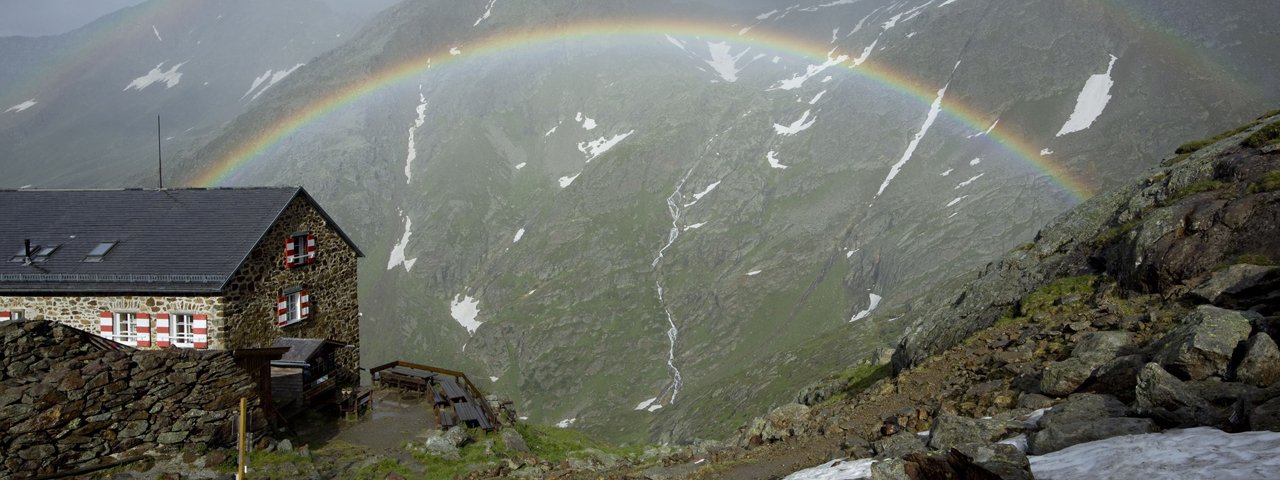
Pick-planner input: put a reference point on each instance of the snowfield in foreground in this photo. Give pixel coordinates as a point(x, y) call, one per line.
point(1202, 452)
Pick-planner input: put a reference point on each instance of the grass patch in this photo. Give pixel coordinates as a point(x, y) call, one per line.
point(1255, 259)
point(1264, 136)
point(1047, 298)
point(1198, 187)
point(1025, 247)
point(1115, 232)
point(856, 379)
point(1270, 182)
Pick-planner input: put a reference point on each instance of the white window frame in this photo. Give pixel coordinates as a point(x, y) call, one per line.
point(294, 300)
point(15, 314)
point(124, 327)
point(177, 337)
point(299, 249)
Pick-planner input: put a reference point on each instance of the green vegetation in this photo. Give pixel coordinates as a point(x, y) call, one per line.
point(1026, 247)
point(1195, 145)
point(1198, 187)
point(1265, 136)
point(1270, 182)
point(857, 379)
point(1256, 259)
point(1051, 298)
point(1115, 232)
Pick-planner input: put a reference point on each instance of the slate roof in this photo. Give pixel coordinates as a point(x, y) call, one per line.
point(168, 241)
point(302, 350)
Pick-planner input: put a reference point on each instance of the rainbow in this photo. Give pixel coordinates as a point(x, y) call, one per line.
point(242, 153)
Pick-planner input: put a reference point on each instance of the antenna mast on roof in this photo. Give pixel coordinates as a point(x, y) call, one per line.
point(159, 154)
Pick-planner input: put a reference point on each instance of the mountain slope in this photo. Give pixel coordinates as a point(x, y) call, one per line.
point(588, 203)
point(79, 109)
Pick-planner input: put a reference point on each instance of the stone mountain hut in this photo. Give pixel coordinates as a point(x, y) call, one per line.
point(204, 269)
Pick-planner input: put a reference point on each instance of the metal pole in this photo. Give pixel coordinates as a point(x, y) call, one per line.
point(240, 469)
point(159, 154)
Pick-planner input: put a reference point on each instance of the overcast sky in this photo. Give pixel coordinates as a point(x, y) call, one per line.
point(51, 17)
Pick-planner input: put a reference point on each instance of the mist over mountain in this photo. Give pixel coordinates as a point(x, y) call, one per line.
point(655, 219)
point(80, 108)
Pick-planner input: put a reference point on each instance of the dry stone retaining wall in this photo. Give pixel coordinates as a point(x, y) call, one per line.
point(66, 403)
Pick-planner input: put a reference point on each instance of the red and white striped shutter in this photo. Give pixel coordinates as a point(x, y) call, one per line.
point(289, 251)
point(282, 311)
point(200, 330)
point(304, 308)
point(144, 329)
point(104, 325)
point(5, 316)
point(312, 248)
point(162, 330)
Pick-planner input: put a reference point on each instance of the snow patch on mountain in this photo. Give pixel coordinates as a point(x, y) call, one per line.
point(599, 146)
point(549, 132)
point(948, 172)
point(797, 126)
point(753, 273)
point(1045, 151)
point(810, 71)
point(22, 106)
point(1092, 100)
point(566, 423)
point(694, 226)
point(875, 302)
point(464, 310)
point(814, 100)
point(271, 77)
point(397, 251)
point(698, 196)
point(519, 235)
point(521, 165)
point(566, 181)
point(1202, 452)
point(975, 161)
point(934, 108)
point(836, 470)
point(169, 77)
point(953, 203)
point(772, 157)
point(648, 403)
point(413, 148)
point(948, 2)
point(488, 10)
point(157, 32)
point(723, 61)
point(866, 52)
point(455, 51)
point(989, 129)
point(969, 181)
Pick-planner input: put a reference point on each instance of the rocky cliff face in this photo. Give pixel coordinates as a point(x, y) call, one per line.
point(1200, 211)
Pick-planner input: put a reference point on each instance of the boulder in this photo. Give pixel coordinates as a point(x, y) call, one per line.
point(1005, 461)
point(1103, 345)
point(514, 441)
point(1261, 364)
point(1062, 435)
point(1266, 416)
point(780, 423)
point(439, 445)
point(1232, 286)
point(890, 469)
point(1202, 345)
point(1064, 378)
point(1083, 407)
point(1163, 397)
point(895, 446)
point(1117, 377)
point(949, 431)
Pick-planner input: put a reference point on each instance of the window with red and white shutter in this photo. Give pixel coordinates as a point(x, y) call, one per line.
point(5, 316)
point(106, 327)
point(143, 328)
point(162, 330)
point(290, 251)
point(311, 248)
point(293, 306)
point(200, 330)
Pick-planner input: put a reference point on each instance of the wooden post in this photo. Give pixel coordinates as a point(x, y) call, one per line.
point(243, 408)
